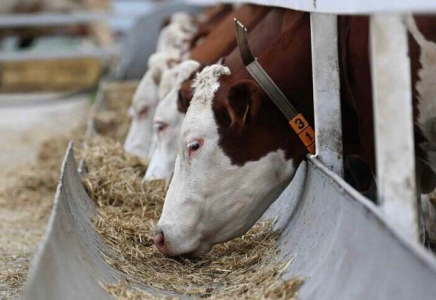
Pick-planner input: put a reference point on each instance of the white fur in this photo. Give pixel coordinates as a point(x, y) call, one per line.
point(168, 81)
point(210, 200)
point(161, 165)
point(178, 34)
point(426, 87)
point(140, 133)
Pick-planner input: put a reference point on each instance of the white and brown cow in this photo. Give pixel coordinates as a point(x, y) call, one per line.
point(237, 152)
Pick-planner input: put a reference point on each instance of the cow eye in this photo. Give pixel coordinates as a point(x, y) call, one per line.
point(143, 112)
point(160, 126)
point(193, 147)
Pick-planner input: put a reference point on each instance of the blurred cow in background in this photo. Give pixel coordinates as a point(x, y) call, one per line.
point(174, 43)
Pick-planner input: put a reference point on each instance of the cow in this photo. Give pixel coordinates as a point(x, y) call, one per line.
point(237, 152)
point(144, 103)
point(162, 162)
point(167, 123)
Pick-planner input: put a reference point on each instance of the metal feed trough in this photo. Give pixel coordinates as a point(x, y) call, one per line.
point(344, 246)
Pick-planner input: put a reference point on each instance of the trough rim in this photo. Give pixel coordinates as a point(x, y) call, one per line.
point(423, 255)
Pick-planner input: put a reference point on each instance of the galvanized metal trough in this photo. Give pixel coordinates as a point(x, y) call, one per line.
point(342, 246)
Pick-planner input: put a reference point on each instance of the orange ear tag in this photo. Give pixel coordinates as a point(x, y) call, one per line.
point(306, 134)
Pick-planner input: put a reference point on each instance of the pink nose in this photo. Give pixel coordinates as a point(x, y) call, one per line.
point(159, 241)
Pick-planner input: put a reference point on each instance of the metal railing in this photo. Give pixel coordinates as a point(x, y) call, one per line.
point(55, 20)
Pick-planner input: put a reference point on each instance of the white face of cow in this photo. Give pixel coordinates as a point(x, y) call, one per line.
point(144, 103)
point(178, 34)
point(210, 200)
point(167, 123)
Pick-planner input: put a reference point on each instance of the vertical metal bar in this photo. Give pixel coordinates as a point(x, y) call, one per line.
point(326, 91)
point(393, 116)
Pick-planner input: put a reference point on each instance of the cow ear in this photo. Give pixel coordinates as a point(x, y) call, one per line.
point(243, 103)
point(165, 22)
point(185, 96)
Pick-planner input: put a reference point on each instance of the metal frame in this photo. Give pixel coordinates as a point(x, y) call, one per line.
point(52, 20)
point(357, 7)
point(326, 91)
point(393, 115)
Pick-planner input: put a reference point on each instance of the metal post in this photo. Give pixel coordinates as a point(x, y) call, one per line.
point(393, 116)
point(326, 85)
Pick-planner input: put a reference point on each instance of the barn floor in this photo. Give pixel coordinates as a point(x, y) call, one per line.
point(25, 122)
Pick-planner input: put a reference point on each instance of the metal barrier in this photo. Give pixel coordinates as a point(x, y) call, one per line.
point(54, 20)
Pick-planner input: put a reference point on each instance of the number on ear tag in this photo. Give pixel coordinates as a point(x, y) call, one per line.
point(299, 123)
point(306, 134)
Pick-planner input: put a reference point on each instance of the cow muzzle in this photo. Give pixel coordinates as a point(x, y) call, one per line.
point(171, 242)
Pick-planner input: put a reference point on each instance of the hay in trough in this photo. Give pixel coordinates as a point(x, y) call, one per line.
point(128, 210)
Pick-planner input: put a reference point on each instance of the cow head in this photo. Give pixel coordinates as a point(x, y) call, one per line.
point(178, 33)
point(167, 123)
point(144, 103)
point(236, 155)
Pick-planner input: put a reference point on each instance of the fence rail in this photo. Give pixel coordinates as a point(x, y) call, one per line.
point(340, 6)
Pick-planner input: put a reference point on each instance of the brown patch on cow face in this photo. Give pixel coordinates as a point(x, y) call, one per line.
point(264, 130)
point(185, 96)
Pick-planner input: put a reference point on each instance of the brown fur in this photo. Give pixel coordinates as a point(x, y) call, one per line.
point(356, 87)
point(222, 39)
point(214, 16)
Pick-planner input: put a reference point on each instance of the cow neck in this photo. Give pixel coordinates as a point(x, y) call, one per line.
point(288, 63)
point(296, 120)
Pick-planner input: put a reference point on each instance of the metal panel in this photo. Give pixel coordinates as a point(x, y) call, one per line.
point(393, 116)
point(339, 6)
point(326, 91)
point(69, 263)
point(340, 244)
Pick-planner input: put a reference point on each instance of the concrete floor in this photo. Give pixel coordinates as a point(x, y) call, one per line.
point(26, 121)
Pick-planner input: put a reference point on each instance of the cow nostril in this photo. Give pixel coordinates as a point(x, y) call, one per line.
point(159, 241)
